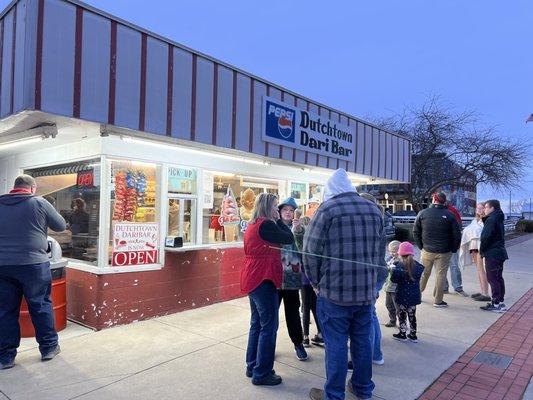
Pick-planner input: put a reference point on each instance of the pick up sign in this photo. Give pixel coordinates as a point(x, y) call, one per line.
point(135, 244)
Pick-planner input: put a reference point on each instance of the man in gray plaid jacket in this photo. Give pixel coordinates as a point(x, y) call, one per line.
point(344, 246)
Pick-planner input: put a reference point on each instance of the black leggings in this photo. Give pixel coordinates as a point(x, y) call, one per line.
point(308, 306)
point(291, 302)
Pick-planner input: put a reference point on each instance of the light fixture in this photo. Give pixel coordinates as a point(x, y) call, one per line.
point(19, 142)
point(129, 139)
point(225, 174)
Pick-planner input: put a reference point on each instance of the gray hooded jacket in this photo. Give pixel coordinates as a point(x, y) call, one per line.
point(24, 223)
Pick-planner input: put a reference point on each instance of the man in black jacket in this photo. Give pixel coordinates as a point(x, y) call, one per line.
point(492, 248)
point(438, 235)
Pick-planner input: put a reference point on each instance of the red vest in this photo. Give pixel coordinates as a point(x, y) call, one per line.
point(262, 262)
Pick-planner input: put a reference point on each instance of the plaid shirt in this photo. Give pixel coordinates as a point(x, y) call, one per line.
point(346, 227)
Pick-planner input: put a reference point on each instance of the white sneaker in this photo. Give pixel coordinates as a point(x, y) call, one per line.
point(378, 362)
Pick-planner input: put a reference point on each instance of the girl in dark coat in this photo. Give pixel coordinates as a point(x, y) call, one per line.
point(407, 275)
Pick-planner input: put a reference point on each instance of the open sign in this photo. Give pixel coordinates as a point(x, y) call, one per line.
point(85, 179)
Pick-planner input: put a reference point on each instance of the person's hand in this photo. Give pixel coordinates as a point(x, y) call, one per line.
point(296, 223)
point(316, 290)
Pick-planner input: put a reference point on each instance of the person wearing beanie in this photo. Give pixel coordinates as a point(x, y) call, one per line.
point(289, 293)
point(406, 274)
point(437, 233)
point(344, 246)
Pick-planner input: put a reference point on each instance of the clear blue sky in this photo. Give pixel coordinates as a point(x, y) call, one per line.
point(367, 58)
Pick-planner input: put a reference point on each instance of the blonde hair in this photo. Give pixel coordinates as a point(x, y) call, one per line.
point(479, 216)
point(263, 206)
point(395, 244)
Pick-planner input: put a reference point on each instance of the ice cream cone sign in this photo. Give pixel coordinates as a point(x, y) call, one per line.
point(229, 214)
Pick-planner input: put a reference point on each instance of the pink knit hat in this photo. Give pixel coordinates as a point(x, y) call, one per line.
point(406, 249)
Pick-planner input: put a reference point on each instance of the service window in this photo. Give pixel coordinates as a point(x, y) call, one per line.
point(182, 203)
point(74, 191)
point(233, 198)
point(134, 236)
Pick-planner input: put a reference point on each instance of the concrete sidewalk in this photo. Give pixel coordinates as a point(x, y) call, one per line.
point(199, 354)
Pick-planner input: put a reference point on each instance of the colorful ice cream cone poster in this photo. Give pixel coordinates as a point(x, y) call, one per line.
point(229, 217)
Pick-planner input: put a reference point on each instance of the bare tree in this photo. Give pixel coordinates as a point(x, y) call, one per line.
point(454, 148)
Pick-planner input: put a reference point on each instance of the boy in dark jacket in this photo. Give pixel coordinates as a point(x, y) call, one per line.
point(407, 275)
point(492, 248)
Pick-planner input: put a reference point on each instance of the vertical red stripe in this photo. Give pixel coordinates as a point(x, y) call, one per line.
point(294, 150)
point(306, 153)
point(337, 158)
point(234, 112)
point(142, 97)
point(13, 52)
point(280, 151)
point(215, 105)
point(112, 74)
point(364, 149)
point(39, 55)
point(1, 54)
point(251, 138)
point(266, 143)
point(193, 97)
point(77, 62)
point(317, 155)
point(170, 88)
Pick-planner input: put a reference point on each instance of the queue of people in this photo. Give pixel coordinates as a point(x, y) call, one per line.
point(336, 261)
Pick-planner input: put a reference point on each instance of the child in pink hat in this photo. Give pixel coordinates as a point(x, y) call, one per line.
point(407, 274)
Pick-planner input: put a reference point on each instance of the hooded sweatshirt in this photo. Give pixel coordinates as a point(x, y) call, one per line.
point(492, 240)
point(345, 229)
point(24, 222)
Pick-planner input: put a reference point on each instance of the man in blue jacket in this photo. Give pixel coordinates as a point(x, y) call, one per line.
point(25, 269)
point(492, 249)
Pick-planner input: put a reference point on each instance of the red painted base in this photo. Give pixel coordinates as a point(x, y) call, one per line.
point(188, 280)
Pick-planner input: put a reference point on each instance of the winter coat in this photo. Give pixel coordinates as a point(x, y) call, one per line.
point(492, 241)
point(471, 234)
point(436, 230)
point(345, 229)
point(25, 220)
point(408, 290)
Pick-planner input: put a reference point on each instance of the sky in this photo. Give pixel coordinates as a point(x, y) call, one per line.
point(370, 59)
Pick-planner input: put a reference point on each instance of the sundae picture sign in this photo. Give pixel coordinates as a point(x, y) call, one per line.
point(135, 244)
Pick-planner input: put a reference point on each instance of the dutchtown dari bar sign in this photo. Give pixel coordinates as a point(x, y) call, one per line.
point(291, 126)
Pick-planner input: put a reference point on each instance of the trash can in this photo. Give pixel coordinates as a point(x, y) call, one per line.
point(59, 294)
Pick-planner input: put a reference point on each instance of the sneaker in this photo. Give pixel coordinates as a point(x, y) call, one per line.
point(269, 380)
point(475, 295)
point(350, 365)
point(442, 304)
point(51, 354)
point(391, 324)
point(412, 337)
point(7, 364)
point(306, 342)
point(482, 297)
point(316, 394)
point(301, 354)
point(499, 308)
point(400, 336)
point(378, 362)
point(488, 307)
point(461, 293)
point(317, 340)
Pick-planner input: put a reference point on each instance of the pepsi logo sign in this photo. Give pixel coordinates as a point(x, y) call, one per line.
point(280, 122)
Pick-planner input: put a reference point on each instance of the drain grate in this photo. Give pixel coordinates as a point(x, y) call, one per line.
point(493, 359)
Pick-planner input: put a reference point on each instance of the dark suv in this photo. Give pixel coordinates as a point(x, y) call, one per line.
point(390, 228)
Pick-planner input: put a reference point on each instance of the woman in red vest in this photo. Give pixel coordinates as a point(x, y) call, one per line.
point(261, 276)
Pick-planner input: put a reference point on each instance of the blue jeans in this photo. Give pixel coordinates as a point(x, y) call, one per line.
point(455, 274)
point(338, 324)
point(34, 282)
point(264, 305)
point(375, 336)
